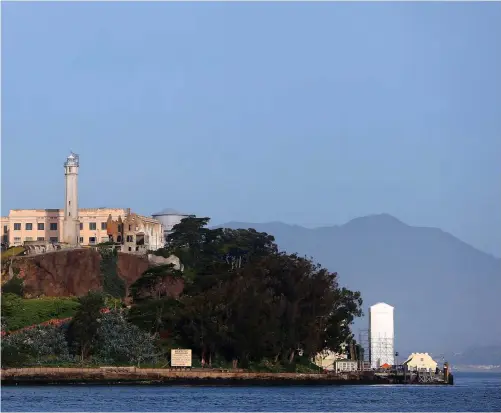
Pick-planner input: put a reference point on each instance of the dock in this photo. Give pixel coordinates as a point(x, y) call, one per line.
point(169, 376)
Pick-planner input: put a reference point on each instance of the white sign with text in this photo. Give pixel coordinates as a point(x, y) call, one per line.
point(180, 357)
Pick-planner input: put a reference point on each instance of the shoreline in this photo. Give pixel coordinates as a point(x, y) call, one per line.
point(139, 376)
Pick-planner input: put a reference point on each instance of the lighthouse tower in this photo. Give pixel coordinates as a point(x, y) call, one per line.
point(71, 224)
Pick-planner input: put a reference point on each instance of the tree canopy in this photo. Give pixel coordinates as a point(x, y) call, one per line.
point(244, 300)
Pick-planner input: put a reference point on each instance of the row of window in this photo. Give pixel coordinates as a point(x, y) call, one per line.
point(52, 239)
point(40, 226)
point(92, 240)
point(53, 226)
point(93, 226)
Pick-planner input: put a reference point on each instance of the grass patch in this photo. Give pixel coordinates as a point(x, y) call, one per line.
point(12, 252)
point(19, 313)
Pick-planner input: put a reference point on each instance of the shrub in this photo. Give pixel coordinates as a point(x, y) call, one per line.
point(120, 342)
point(35, 346)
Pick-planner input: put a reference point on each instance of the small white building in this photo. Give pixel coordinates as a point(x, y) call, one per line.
point(343, 366)
point(326, 359)
point(421, 362)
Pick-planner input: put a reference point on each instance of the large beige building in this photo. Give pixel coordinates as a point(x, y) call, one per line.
point(136, 233)
point(82, 226)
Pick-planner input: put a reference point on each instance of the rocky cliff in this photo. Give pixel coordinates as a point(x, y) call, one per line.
point(58, 273)
point(75, 272)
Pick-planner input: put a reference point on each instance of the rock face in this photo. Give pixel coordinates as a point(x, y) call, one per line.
point(59, 273)
point(131, 266)
point(77, 271)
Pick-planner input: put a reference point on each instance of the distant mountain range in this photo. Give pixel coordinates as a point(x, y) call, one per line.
point(446, 293)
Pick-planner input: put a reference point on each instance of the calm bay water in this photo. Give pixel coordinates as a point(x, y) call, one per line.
point(471, 392)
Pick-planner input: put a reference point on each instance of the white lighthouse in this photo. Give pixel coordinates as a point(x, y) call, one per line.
point(71, 224)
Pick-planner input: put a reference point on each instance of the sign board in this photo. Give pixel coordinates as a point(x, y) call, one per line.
point(180, 358)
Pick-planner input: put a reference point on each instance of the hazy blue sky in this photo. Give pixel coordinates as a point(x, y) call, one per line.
point(305, 113)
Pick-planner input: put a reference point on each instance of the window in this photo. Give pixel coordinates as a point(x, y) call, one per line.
point(81, 238)
point(81, 226)
point(40, 239)
point(53, 227)
point(119, 238)
point(28, 239)
point(120, 228)
point(103, 226)
point(5, 239)
point(17, 227)
point(28, 226)
point(17, 239)
point(5, 229)
point(130, 238)
point(92, 240)
point(130, 227)
point(92, 226)
point(69, 203)
point(40, 226)
point(53, 239)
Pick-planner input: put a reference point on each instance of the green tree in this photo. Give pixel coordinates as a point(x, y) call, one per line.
point(84, 325)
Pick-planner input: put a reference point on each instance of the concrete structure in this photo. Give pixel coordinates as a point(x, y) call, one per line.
point(343, 366)
point(71, 224)
point(4, 223)
point(381, 335)
point(169, 217)
point(421, 362)
point(85, 226)
point(95, 226)
point(327, 359)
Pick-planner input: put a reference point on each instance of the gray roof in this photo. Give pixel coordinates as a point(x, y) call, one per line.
point(169, 211)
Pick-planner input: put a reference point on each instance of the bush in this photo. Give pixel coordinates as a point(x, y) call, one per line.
point(120, 342)
point(35, 346)
point(13, 286)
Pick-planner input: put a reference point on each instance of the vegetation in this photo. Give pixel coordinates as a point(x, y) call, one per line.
point(244, 304)
point(113, 285)
point(14, 286)
point(244, 301)
point(18, 313)
point(12, 252)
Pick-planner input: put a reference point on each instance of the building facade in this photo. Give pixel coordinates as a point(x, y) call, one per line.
point(381, 335)
point(93, 227)
point(420, 362)
point(344, 366)
point(81, 226)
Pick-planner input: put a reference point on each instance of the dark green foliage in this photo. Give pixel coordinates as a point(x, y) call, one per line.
point(83, 328)
point(244, 301)
point(147, 286)
point(13, 286)
point(18, 313)
point(112, 284)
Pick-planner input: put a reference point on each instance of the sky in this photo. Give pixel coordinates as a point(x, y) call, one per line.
point(309, 114)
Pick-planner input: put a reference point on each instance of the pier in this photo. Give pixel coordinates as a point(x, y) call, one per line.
point(133, 375)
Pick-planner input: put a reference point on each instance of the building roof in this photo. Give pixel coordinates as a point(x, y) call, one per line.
point(169, 211)
point(381, 305)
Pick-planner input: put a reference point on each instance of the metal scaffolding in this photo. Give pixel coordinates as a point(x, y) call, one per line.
point(381, 350)
point(363, 342)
